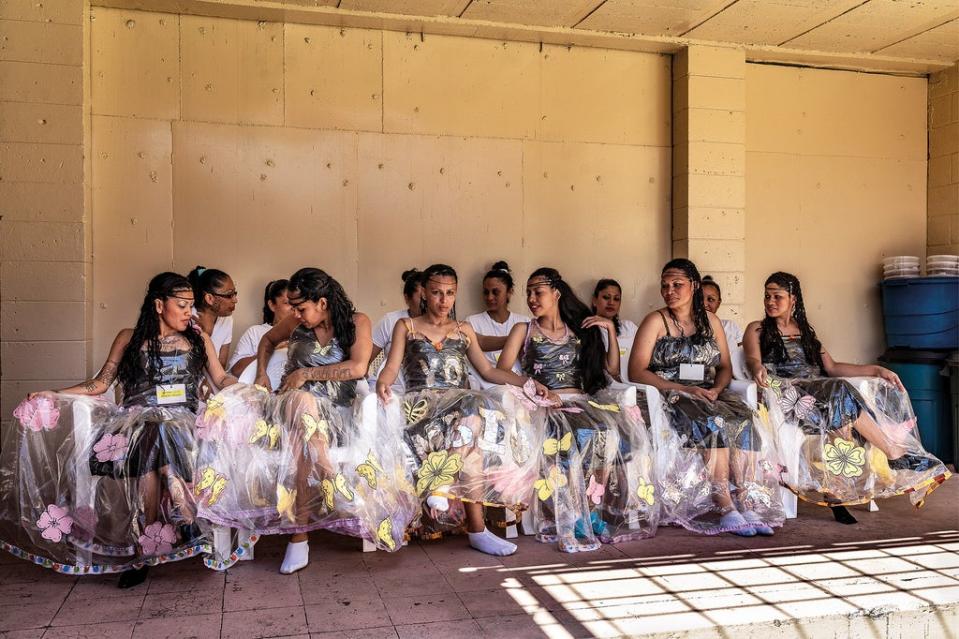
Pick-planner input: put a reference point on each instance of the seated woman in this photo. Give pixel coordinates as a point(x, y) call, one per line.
point(607, 300)
point(596, 461)
point(383, 331)
point(712, 300)
point(681, 350)
point(497, 320)
point(90, 487)
point(214, 295)
point(861, 441)
point(298, 461)
point(466, 446)
point(276, 308)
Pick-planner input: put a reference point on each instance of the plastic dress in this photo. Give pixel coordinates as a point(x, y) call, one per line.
point(90, 487)
point(817, 419)
point(596, 460)
point(302, 460)
point(465, 445)
point(702, 429)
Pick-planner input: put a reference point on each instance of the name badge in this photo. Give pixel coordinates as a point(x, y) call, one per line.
point(171, 394)
point(692, 372)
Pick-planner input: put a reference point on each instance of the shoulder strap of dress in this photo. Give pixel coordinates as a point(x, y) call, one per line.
point(665, 323)
point(411, 332)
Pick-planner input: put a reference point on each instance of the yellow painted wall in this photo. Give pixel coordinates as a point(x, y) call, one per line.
point(836, 180)
point(259, 148)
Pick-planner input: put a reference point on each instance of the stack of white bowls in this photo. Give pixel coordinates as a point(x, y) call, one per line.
point(942, 266)
point(900, 266)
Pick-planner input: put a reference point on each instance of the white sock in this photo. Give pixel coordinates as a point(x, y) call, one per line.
point(438, 502)
point(491, 544)
point(757, 523)
point(296, 558)
point(737, 524)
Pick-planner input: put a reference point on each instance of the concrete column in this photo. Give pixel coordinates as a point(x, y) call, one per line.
point(709, 163)
point(45, 258)
point(943, 185)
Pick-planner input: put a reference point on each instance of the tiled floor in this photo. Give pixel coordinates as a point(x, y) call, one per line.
point(898, 557)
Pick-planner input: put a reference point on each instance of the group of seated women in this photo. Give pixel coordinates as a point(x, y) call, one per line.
point(501, 411)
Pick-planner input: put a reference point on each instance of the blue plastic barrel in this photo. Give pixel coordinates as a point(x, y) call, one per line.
point(925, 376)
point(921, 312)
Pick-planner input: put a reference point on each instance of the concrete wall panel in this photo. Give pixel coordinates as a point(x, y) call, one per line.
point(41, 83)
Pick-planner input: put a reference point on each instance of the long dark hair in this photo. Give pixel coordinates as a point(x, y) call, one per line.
point(592, 354)
point(438, 270)
point(500, 270)
point(771, 345)
point(312, 284)
point(412, 279)
point(704, 331)
point(606, 282)
point(147, 331)
point(205, 280)
point(272, 291)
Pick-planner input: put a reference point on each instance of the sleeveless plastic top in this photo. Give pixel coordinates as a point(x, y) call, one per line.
point(176, 367)
point(305, 351)
point(554, 364)
point(795, 365)
point(672, 350)
point(435, 366)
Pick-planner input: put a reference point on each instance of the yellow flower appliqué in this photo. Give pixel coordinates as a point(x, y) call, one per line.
point(439, 469)
point(843, 458)
point(646, 492)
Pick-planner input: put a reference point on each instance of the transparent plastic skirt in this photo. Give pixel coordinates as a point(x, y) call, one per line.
point(295, 462)
point(597, 480)
point(713, 458)
point(89, 487)
point(850, 440)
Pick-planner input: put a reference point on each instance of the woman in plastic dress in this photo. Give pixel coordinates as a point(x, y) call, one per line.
point(596, 461)
point(299, 460)
point(466, 446)
point(857, 438)
point(681, 350)
point(91, 487)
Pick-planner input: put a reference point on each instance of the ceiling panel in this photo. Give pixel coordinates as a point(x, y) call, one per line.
point(941, 43)
point(877, 24)
point(548, 13)
point(408, 7)
point(652, 17)
point(769, 21)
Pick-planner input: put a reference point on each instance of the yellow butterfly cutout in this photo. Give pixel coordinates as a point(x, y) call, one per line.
point(438, 470)
point(218, 487)
point(341, 487)
point(548, 485)
point(368, 473)
point(415, 412)
point(612, 408)
point(645, 492)
point(274, 435)
point(262, 389)
point(215, 408)
point(207, 477)
point(311, 426)
point(260, 430)
point(326, 486)
point(552, 446)
point(285, 501)
point(384, 532)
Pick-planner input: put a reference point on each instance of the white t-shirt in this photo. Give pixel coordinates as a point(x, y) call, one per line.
point(222, 334)
point(483, 324)
point(627, 333)
point(248, 343)
point(734, 337)
point(383, 337)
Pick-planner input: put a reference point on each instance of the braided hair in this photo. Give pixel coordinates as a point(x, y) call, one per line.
point(592, 355)
point(147, 331)
point(438, 270)
point(312, 284)
point(412, 279)
point(604, 284)
point(771, 345)
point(273, 290)
point(500, 270)
point(704, 331)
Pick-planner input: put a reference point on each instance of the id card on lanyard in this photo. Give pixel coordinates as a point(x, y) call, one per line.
point(171, 394)
point(692, 372)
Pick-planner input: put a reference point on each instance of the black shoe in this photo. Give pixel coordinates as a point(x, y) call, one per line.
point(843, 516)
point(131, 578)
point(912, 462)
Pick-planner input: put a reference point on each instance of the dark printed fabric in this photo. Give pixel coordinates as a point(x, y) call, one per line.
point(553, 364)
point(305, 351)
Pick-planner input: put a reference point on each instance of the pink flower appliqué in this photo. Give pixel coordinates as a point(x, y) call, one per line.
point(39, 413)
point(595, 491)
point(111, 448)
point(157, 539)
point(54, 523)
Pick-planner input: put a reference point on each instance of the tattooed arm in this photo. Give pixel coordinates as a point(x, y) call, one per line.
point(108, 372)
point(353, 368)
